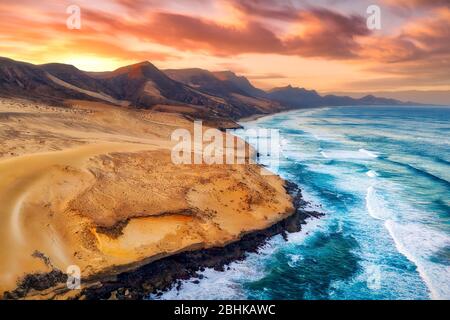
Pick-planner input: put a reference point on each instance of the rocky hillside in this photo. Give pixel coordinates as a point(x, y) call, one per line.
point(217, 97)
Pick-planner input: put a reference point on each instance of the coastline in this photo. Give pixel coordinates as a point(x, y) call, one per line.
point(259, 116)
point(378, 185)
point(113, 241)
point(161, 274)
point(255, 117)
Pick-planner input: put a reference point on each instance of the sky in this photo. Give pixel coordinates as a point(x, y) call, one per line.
point(322, 44)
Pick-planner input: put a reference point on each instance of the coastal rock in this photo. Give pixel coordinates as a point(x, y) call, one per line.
point(162, 274)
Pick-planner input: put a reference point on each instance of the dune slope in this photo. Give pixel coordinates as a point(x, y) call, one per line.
point(94, 186)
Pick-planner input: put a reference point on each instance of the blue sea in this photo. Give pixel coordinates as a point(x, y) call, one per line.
point(381, 175)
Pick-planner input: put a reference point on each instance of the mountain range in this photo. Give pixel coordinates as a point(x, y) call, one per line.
point(197, 93)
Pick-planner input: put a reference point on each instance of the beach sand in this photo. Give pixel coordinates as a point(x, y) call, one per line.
point(93, 185)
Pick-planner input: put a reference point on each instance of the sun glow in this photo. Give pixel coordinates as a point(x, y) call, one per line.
point(93, 63)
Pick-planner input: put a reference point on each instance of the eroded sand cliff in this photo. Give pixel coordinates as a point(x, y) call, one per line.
point(94, 186)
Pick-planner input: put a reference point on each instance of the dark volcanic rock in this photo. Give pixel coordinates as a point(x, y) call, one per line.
point(162, 274)
point(36, 282)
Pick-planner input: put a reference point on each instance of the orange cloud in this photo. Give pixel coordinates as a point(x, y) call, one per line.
point(161, 30)
point(279, 10)
point(35, 40)
point(413, 4)
point(327, 34)
point(418, 55)
point(422, 39)
point(191, 33)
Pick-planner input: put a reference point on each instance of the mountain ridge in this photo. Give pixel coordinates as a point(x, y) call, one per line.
point(199, 93)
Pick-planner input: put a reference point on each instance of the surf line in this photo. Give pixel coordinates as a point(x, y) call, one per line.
point(390, 226)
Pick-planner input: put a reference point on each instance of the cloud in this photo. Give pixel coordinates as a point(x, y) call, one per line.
point(45, 35)
point(421, 39)
point(327, 34)
point(414, 4)
point(160, 30)
point(185, 32)
point(419, 54)
point(279, 10)
point(410, 8)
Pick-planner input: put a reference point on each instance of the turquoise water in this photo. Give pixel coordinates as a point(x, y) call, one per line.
point(382, 176)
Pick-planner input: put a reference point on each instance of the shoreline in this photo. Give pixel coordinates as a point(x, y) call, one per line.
point(255, 117)
point(259, 116)
point(162, 274)
point(215, 247)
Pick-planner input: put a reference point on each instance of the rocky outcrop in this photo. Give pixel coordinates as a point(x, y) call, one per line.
point(160, 275)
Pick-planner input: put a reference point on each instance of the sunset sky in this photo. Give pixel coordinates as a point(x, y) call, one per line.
point(323, 45)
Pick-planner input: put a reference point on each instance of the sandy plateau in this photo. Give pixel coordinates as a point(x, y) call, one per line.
point(93, 185)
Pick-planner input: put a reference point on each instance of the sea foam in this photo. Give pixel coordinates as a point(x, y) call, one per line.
point(372, 173)
point(368, 153)
point(205, 286)
point(348, 154)
point(418, 244)
point(375, 205)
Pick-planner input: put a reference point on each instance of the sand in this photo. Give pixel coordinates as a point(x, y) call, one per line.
point(93, 185)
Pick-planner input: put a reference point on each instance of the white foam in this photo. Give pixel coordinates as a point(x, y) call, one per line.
point(207, 288)
point(372, 174)
point(312, 203)
point(293, 259)
point(313, 111)
point(340, 228)
point(368, 153)
point(348, 154)
point(375, 205)
point(418, 243)
point(229, 281)
point(312, 225)
point(317, 132)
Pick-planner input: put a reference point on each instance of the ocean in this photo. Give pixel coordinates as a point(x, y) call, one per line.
point(381, 175)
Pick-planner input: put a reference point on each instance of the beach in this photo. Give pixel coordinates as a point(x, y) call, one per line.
point(93, 185)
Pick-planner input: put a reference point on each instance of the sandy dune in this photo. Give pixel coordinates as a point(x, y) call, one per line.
point(20, 178)
point(93, 185)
